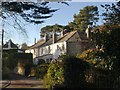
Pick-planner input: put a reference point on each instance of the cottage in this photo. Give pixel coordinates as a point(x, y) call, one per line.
point(70, 43)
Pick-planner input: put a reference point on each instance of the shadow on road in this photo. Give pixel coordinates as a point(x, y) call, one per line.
point(18, 82)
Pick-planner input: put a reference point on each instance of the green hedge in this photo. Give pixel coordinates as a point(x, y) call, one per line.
point(11, 59)
point(68, 71)
point(41, 71)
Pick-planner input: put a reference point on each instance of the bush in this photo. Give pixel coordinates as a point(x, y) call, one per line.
point(67, 71)
point(54, 75)
point(100, 74)
point(28, 68)
point(9, 58)
point(41, 61)
point(5, 73)
point(96, 58)
point(74, 71)
point(41, 71)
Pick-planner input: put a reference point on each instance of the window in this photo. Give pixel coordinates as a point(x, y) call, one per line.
point(59, 48)
point(49, 49)
point(63, 48)
point(41, 50)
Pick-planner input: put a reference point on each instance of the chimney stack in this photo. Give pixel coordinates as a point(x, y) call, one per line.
point(62, 33)
point(88, 31)
point(54, 36)
point(46, 38)
point(35, 40)
point(9, 43)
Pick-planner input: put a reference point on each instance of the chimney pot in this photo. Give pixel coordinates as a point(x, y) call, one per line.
point(54, 36)
point(46, 38)
point(88, 31)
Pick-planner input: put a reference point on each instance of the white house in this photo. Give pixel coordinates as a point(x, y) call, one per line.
point(70, 43)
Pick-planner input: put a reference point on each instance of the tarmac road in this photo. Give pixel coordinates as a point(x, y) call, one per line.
point(19, 82)
point(22, 84)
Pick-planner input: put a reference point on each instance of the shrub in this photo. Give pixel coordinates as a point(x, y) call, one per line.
point(5, 73)
point(41, 71)
point(28, 68)
point(74, 71)
point(96, 58)
point(41, 61)
point(8, 59)
point(101, 73)
point(54, 75)
point(67, 71)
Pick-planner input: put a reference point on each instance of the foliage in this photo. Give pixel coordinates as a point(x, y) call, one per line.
point(24, 46)
point(97, 58)
point(41, 71)
point(54, 75)
point(107, 38)
point(112, 13)
point(23, 57)
point(26, 59)
point(8, 60)
point(49, 29)
point(5, 73)
point(12, 56)
point(41, 61)
point(102, 72)
point(67, 71)
point(28, 68)
point(87, 16)
point(29, 11)
point(76, 78)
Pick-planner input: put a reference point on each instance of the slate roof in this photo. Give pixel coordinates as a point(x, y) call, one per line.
point(12, 45)
point(38, 44)
point(66, 37)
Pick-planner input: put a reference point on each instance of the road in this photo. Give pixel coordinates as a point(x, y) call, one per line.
point(22, 84)
point(18, 81)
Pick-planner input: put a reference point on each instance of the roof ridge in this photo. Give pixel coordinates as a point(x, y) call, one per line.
point(72, 34)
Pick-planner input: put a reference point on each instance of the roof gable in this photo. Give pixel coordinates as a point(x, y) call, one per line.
point(38, 44)
point(10, 45)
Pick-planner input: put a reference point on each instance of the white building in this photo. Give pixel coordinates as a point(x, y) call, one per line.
point(70, 43)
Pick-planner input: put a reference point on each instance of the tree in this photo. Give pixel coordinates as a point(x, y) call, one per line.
point(87, 16)
point(49, 29)
point(29, 11)
point(112, 13)
point(24, 46)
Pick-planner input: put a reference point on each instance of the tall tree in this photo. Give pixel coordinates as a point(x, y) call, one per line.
point(106, 37)
point(31, 12)
point(87, 16)
point(49, 29)
point(112, 13)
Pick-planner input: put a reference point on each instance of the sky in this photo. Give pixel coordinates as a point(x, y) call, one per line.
point(62, 17)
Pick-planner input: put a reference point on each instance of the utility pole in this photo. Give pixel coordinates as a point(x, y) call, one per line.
point(2, 41)
point(2, 37)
